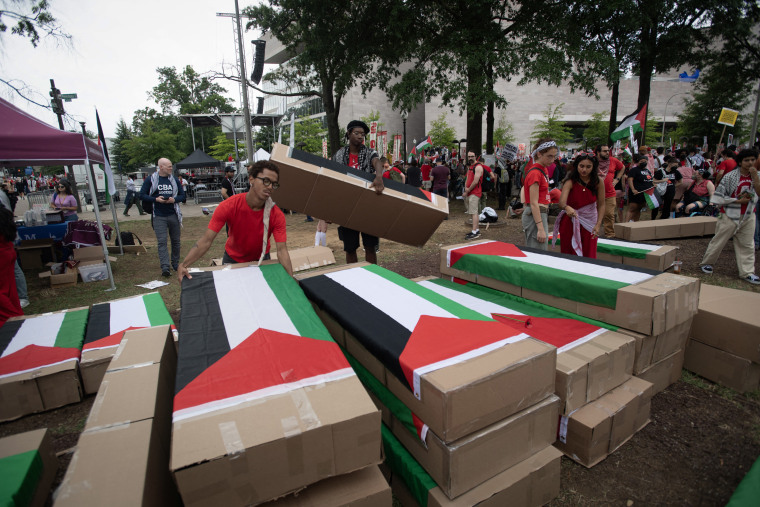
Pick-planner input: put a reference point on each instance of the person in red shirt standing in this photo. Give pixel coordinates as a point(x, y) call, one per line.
point(536, 187)
point(727, 165)
point(610, 170)
point(249, 217)
point(472, 193)
point(426, 168)
point(10, 305)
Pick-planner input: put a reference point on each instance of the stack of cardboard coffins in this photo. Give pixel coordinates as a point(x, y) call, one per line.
point(265, 403)
point(122, 457)
point(655, 308)
point(682, 227)
point(468, 397)
point(106, 326)
point(725, 338)
point(643, 255)
point(39, 362)
point(601, 405)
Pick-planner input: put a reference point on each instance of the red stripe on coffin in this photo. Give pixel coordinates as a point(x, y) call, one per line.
point(491, 248)
point(554, 331)
point(264, 359)
point(35, 356)
point(113, 340)
point(435, 339)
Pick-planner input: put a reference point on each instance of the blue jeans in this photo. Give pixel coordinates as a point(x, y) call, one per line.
point(71, 218)
point(20, 282)
point(167, 228)
point(757, 227)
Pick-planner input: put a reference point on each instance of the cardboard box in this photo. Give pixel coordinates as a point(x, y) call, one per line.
point(364, 488)
point(738, 373)
point(660, 259)
point(93, 366)
point(664, 372)
point(121, 465)
point(729, 320)
point(60, 275)
point(30, 252)
point(587, 371)
point(595, 431)
point(309, 258)
point(683, 227)
point(401, 213)
point(93, 272)
point(40, 478)
point(653, 348)
point(533, 482)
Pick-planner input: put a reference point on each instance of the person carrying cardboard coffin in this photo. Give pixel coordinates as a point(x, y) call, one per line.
point(252, 218)
point(359, 156)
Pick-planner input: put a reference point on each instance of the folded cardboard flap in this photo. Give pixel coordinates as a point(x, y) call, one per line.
point(309, 257)
point(39, 440)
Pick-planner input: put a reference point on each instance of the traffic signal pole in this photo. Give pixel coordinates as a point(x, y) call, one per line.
point(57, 103)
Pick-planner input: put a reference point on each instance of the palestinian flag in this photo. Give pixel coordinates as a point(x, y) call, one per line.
point(412, 154)
point(410, 329)
point(108, 321)
point(249, 333)
point(43, 340)
point(110, 181)
point(632, 123)
point(427, 143)
point(21, 475)
point(590, 281)
point(404, 466)
point(651, 198)
point(621, 248)
point(563, 330)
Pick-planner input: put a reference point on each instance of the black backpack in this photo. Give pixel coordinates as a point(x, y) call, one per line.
point(487, 183)
point(127, 238)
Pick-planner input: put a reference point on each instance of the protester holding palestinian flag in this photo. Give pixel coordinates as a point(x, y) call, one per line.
point(639, 182)
point(582, 203)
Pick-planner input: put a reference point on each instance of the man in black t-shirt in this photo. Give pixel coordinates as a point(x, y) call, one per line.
point(228, 189)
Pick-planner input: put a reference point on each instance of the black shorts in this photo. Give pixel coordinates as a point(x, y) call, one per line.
point(638, 198)
point(350, 239)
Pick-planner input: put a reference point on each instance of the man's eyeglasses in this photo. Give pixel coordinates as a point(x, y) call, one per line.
point(269, 183)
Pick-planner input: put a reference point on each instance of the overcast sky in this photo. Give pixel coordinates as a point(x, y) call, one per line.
point(117, 46)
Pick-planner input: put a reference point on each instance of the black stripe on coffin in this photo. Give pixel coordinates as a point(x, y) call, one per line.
point(598, 262)
point(7, 332)
point(380, 334)
point(344, 169)
point(203, 337)
point(98, 323)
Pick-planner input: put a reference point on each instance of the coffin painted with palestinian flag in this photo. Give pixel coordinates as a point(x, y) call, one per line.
point(633, 298)
point(402, 213)
point(106, 326)
point(265, 402)
point(28, 466)
point(39, 362)
point(592, 358)
point(643, 255)
point(456, 369)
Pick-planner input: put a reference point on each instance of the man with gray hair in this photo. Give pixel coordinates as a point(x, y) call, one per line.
point(165, 192)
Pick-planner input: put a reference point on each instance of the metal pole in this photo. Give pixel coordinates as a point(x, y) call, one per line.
point(754, 118)
point(403, 118)
point(665, 115)
point(292, 130)
point(192, 131)
point(244, 81)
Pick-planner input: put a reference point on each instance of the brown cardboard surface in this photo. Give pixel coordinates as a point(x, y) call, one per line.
point(531, 483)
point(682, 227)
point(264, 449)
point(40, 389)
point(464, 398)
point(41, 441)
point(392, 215)
point(722, 367)
point(664, 229)
point(592, 432)
point(145, 346)
point(664, 372)
point(123, 465)
point(447, 272)
point(729, 320)
point(602, 256)
point(364, 488)
point(660, 259)
point(465, 463)
point(30, 252)
point(309, 257)
point(653, 348)
point(93, 366)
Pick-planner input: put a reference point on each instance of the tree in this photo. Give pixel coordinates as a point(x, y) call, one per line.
point(441, 133)
point(333, 45)
point(504, 133)
point(188, 92)
point(150, 146)
point(552, 127)
point(223, 147)
point(29, 18)
point(598, 128)
point(264, 137)
point(310, 132)
point(119, 157)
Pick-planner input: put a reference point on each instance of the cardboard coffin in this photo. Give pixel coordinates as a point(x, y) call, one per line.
point(595, 431)
point(722, 367)
point(364, 488)
point(682, 227)
point(633, 298)
point(28, 466)
point(39, 362)
point(651, 349)
point(655, 257)
point(530, 483)
point(412, 340)
point(309, 257)
point(265, 403)
point(106, 326)
point(664, 372)
point(311, 184)
point(729, 320)
point(591, 360)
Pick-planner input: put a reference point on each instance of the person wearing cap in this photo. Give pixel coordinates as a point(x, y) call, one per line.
point(359, 156)
point(228, 189)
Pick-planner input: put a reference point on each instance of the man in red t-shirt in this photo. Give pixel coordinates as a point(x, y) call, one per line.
point(244, 215)
point(426, 168)
point(727, 165)
point(472, 192)
point(610, 170)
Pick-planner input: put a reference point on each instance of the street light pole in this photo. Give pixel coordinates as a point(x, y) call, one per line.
point(404, 114)
point(665, 116)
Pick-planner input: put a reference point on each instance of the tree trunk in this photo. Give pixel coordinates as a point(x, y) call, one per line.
point(614, 108)
point(331, 113)
point(474, 118)
point(648, 45)
point(489, 112)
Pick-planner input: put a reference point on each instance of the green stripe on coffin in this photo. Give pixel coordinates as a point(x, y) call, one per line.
point(20, 475)
point(618, 248)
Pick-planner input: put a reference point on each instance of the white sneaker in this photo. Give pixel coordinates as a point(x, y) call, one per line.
point(24, 303)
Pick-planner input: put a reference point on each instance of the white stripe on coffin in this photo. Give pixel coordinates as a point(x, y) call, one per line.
point(73, 359)
point(126, 313)
point(628, 244)
point(583, 268)
point(213, 406)
point(42, 330)
point(244, 312)
point(448, 252)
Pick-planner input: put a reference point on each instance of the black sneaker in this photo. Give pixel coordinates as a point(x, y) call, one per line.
point(166, 273)
point(708, 269)
point(472, 235)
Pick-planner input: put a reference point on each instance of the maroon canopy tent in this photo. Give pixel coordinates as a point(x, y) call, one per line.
point(25, 140)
